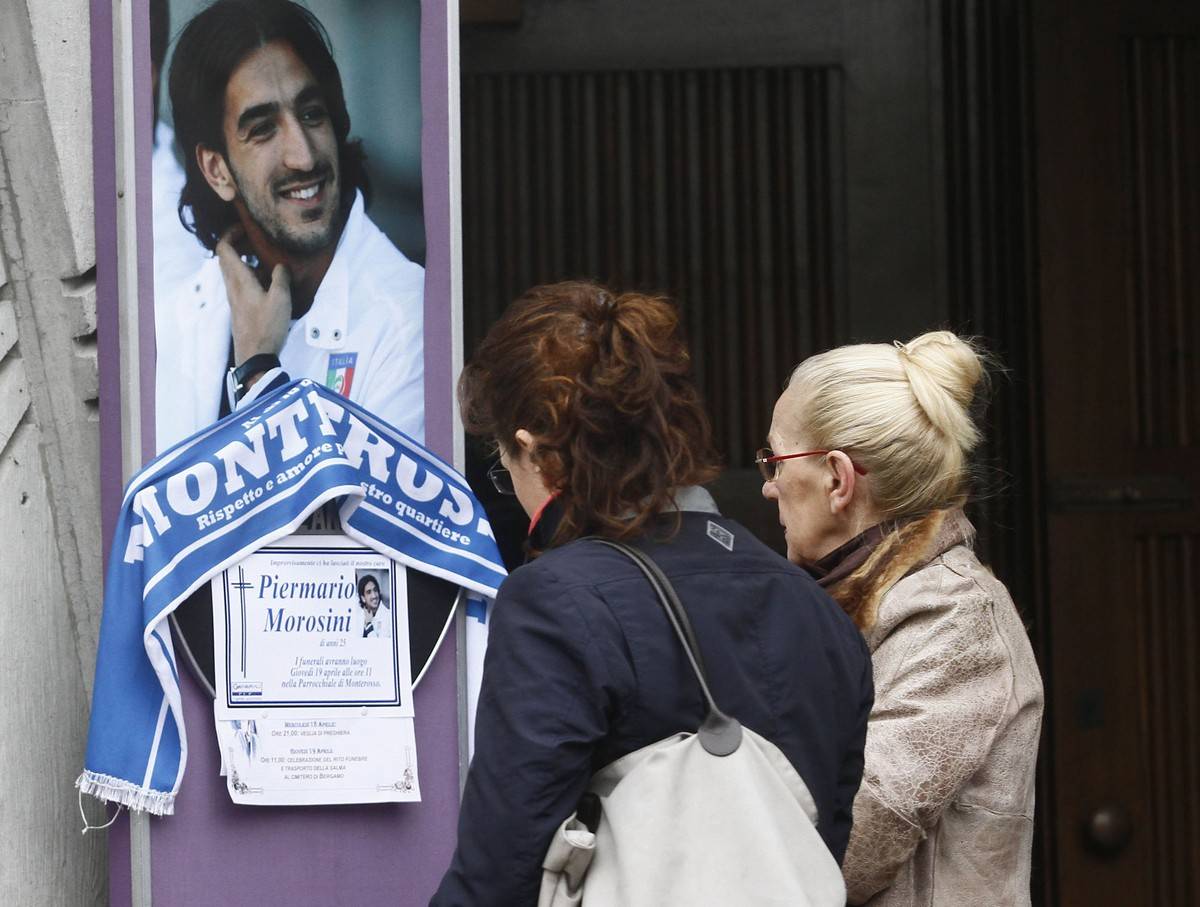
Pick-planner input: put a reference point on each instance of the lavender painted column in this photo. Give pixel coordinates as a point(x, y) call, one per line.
point(212, 851)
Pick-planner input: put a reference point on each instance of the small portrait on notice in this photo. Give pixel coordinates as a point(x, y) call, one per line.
point(376, 618)
point(288, 217)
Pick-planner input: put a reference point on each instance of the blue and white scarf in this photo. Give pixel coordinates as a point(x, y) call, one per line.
point(221, 495)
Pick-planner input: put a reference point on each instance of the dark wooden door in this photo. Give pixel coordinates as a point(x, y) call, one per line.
point(1118, 170)
point(773, 165)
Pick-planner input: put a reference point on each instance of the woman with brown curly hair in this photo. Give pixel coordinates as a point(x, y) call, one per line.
point(600, 432)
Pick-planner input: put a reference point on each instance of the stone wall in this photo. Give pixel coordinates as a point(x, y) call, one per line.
point(50, 544)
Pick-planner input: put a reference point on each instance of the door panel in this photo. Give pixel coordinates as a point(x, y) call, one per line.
point(1165, 567)
point(1163, 122)
point(1118, 110)
point(773, 165)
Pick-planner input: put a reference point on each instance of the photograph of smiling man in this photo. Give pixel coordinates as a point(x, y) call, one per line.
point(375, 611)
point(275, 190)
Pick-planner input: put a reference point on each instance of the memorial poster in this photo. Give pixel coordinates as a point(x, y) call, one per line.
point(286, 168)
point(314, 695)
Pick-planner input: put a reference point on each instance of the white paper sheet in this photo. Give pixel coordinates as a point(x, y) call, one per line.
point(314, 694)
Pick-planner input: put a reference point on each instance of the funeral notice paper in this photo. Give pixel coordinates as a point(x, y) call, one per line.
point(314, 692)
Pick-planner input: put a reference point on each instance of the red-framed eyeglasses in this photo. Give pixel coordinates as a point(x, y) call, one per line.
point(768, 461)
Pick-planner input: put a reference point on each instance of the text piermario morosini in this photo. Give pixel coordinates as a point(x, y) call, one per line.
point(278, 620)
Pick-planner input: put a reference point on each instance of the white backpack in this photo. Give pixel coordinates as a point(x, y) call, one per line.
point(718, 817)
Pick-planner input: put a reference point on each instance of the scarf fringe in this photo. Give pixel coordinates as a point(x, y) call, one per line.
point(127, 794)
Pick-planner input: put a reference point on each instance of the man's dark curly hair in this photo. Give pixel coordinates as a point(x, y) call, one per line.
point(213, 45)
point(362, 588)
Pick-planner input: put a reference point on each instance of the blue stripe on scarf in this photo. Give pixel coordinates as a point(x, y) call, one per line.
point(205, 504)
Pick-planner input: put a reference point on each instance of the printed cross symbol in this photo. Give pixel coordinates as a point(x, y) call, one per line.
point(241, 585)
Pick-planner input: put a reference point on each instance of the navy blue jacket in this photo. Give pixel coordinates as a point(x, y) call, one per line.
point(582, 667)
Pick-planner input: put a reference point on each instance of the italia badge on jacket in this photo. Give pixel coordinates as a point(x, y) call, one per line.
point(341, 372)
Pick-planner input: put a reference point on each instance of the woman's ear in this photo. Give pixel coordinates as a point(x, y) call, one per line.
point(525, 441)
point(841, 481)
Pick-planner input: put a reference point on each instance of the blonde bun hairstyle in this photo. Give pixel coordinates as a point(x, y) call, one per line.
point(902, 411)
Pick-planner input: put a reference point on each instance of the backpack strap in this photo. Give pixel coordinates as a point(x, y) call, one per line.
point(720, 734)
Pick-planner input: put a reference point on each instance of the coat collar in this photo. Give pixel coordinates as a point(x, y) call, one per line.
point(955, 530)
point(690, 499)
point(903, 550)
point(324, 324)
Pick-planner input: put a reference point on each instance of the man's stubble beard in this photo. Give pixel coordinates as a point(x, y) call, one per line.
point(267, 220)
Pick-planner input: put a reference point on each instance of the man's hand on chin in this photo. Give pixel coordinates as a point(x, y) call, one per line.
point(260, 318)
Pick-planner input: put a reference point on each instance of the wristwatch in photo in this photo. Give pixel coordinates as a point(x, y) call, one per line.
point(238, 375)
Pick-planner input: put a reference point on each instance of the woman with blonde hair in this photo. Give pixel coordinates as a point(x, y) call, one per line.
point(869, 464)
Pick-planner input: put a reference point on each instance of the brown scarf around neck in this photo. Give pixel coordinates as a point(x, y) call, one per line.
point(860, 572)
point(845, 559)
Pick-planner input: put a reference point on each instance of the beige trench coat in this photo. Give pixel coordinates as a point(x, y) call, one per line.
point(945, 812)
